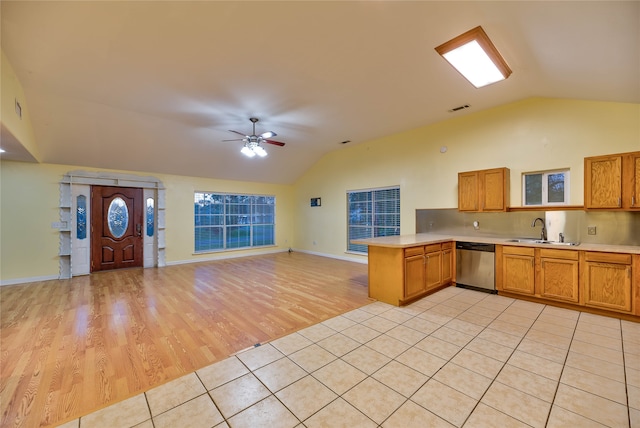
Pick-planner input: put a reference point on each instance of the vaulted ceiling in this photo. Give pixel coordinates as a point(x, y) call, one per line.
point(155, 86)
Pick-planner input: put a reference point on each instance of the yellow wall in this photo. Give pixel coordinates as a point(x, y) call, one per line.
point(530, 135)
point(30, 197)
point(10, 92)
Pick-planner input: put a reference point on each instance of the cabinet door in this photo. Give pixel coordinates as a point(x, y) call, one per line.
point(608, 286)
point(433, 269)
point(603, 182)
point(414, 273)
point(468, 191)
point(493, 190)
point(631, 171)
point(447, 265)
point(518, 273)
point(559, 279)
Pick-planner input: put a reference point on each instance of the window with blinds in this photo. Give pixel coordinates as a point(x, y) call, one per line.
point(226, 221)
point(372, 213)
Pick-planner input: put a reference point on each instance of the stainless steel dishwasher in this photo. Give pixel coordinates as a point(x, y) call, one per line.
point(475, 266)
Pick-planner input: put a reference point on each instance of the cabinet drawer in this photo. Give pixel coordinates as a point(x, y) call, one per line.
point(521, 251)
point(623, 259)
point(432, 248)
point(447, 245)
point(413, 251)
point(559, 254)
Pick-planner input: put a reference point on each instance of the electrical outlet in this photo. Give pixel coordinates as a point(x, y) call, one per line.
point(591, 230)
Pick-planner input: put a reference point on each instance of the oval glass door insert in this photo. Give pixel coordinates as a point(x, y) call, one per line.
point(118, 217)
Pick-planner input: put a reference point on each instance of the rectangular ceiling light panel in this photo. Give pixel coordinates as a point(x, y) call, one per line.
point(475, 57)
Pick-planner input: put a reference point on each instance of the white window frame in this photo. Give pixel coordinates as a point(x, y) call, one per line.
point(226, 227)
point(373, 225)
point(545, 190)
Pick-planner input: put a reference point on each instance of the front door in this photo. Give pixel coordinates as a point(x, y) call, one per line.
point(117, 219)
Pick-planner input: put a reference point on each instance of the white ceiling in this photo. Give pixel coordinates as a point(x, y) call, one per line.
point(155, 86)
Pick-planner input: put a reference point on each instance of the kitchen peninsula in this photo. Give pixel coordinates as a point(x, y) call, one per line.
point(597, 278)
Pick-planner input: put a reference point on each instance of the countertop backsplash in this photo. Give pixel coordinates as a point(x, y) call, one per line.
point(611, 227)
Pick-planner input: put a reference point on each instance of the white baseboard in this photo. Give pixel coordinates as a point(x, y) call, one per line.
point(355, 259)
point(26, 280)
point(224, 256)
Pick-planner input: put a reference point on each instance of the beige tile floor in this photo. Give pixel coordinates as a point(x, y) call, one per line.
point(456, 358)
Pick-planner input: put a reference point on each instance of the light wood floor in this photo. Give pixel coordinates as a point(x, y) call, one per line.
point(69, 347)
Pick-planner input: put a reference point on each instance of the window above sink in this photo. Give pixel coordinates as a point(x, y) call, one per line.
point(545, 188)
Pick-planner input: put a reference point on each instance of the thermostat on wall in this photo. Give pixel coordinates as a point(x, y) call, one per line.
point(316, 202)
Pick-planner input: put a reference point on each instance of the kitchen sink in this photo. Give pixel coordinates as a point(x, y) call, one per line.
point(541, 241)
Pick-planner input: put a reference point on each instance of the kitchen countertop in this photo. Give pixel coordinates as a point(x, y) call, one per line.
point(405, 241)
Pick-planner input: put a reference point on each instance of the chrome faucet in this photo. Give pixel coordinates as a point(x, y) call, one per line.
point(543, 234)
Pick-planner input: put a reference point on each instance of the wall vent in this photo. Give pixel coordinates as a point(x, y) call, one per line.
point(462, 107)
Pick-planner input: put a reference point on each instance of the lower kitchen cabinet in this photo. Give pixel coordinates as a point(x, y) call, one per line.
point(447, 262)
point(558, 279)
point(433, 266)
point(414, 272)
point(400, 275)
point(607, 281)
point(518, 270)
point(540, 272)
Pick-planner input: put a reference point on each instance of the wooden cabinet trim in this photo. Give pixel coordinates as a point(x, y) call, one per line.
point(559, 254)
point(432, 248)
point(524, 251)
point(414, 251)
point(619, 258)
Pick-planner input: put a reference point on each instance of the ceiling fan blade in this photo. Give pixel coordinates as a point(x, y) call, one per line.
point(239, 133)
point(235, 139)
point(275, 143)
point(268, 134)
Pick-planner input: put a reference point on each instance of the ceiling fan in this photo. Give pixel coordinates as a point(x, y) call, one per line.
point(252, 143)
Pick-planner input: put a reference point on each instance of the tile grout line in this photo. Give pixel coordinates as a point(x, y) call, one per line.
point(501, 368)
point(413, 316)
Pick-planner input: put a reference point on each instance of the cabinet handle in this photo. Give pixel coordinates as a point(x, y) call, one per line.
point(619, 202)
point(633, 201)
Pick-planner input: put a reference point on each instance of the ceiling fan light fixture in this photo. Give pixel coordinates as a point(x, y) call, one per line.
point(247, 152)
point(474, 56)
point(260, 151)
point(253, 143)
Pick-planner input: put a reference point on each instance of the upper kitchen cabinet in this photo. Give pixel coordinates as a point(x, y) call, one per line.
point(612, 182)
point(483, 190)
